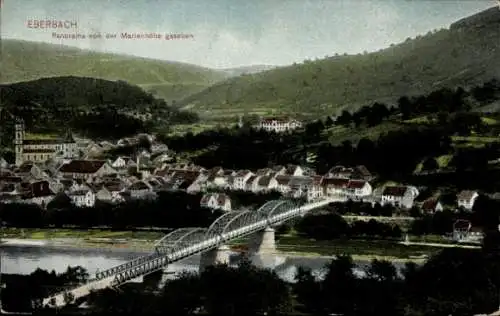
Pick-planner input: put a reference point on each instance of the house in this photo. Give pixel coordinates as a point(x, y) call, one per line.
point(361, 172)
point(140, 189)
point(40, 193)
point(216, 201)
point(315, 191)
point(93, 150)
point(278, 125)
point(339, 172)
point(190, 181)
point(216, 178)
point(162, 158)
point(359, 188)
point(123, 162)
point(86, 169)
point(266, 183)
point(83, 198)
point(399, 196)
point(110, 192)
point(264, 172)
point(299, 186)
point(357, 173)
point(466, 199)
point(294, 170)
point(335, 186)
point(240, 179)
point(252, 183)
point(283, 181)
point(463, 231)
point(157, 147)
point(431, 206)
point(3, 163)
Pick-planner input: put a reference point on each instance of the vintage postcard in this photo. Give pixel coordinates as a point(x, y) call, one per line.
point(259, 157)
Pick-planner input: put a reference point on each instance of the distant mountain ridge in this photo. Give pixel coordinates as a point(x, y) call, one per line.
point(233, 72)
point(466, 54)
point(25, 61)
point(487, 17)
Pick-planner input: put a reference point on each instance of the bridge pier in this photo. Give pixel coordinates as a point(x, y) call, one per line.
point(262, 249)
point(219, 255)
point(263, 242)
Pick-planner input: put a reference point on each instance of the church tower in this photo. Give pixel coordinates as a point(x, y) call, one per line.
point(18, 140)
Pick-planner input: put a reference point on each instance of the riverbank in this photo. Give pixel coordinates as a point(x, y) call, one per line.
point(287, 245)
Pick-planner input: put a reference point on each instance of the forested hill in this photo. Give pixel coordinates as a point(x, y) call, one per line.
point(77, 93)
point(459, 56)
point(25, 61)
point(89, 106)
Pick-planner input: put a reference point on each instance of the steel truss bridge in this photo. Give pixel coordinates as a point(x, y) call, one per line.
point(185, 242)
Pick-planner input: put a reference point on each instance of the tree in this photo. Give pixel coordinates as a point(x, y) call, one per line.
point(329, 121)
point(339, 286)
point(308, 291)
point(405, 107)
point(182, 295)
point(430, 164)
point(345, 118)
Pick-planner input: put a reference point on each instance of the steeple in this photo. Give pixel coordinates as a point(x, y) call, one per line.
point(68, 138)
point(18, 140)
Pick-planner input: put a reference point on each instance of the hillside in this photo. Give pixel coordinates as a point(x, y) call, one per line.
point(86, 104)
point(24, 61)
point(233, 72)
point(464, 55)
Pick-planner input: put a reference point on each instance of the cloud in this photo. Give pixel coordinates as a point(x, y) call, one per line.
point(229, 34)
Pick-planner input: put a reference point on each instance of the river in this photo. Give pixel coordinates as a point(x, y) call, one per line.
point(26, 259)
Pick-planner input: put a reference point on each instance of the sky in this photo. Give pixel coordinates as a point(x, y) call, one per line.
point(234, 33)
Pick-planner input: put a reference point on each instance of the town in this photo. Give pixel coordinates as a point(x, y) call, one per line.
point(64, 168)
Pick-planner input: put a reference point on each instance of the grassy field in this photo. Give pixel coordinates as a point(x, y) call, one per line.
point(354, 247)
point(338, 134)
point(42, 234)
point(358, 248)
point(416, 66)
point(473, 141)
point(170, 80)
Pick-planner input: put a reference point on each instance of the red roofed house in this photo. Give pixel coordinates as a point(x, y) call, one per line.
point(40, 193)
point(463, 231)
point(86, 169)
point(399, 196)
point(359, 188)
point(431, 206)
point(335, 186)
point(216, 201)
point(466, 199)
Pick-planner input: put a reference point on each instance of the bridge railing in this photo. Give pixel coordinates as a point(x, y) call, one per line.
point(124, 266)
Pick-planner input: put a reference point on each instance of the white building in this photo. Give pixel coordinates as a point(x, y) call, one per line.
point(216, 201)
point(240, 179)
point(359, 188)
point(83, 198)
point(466, 199)
point(279, 125)
point(399, 196)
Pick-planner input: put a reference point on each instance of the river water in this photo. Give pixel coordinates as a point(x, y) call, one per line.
point(26, 259)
